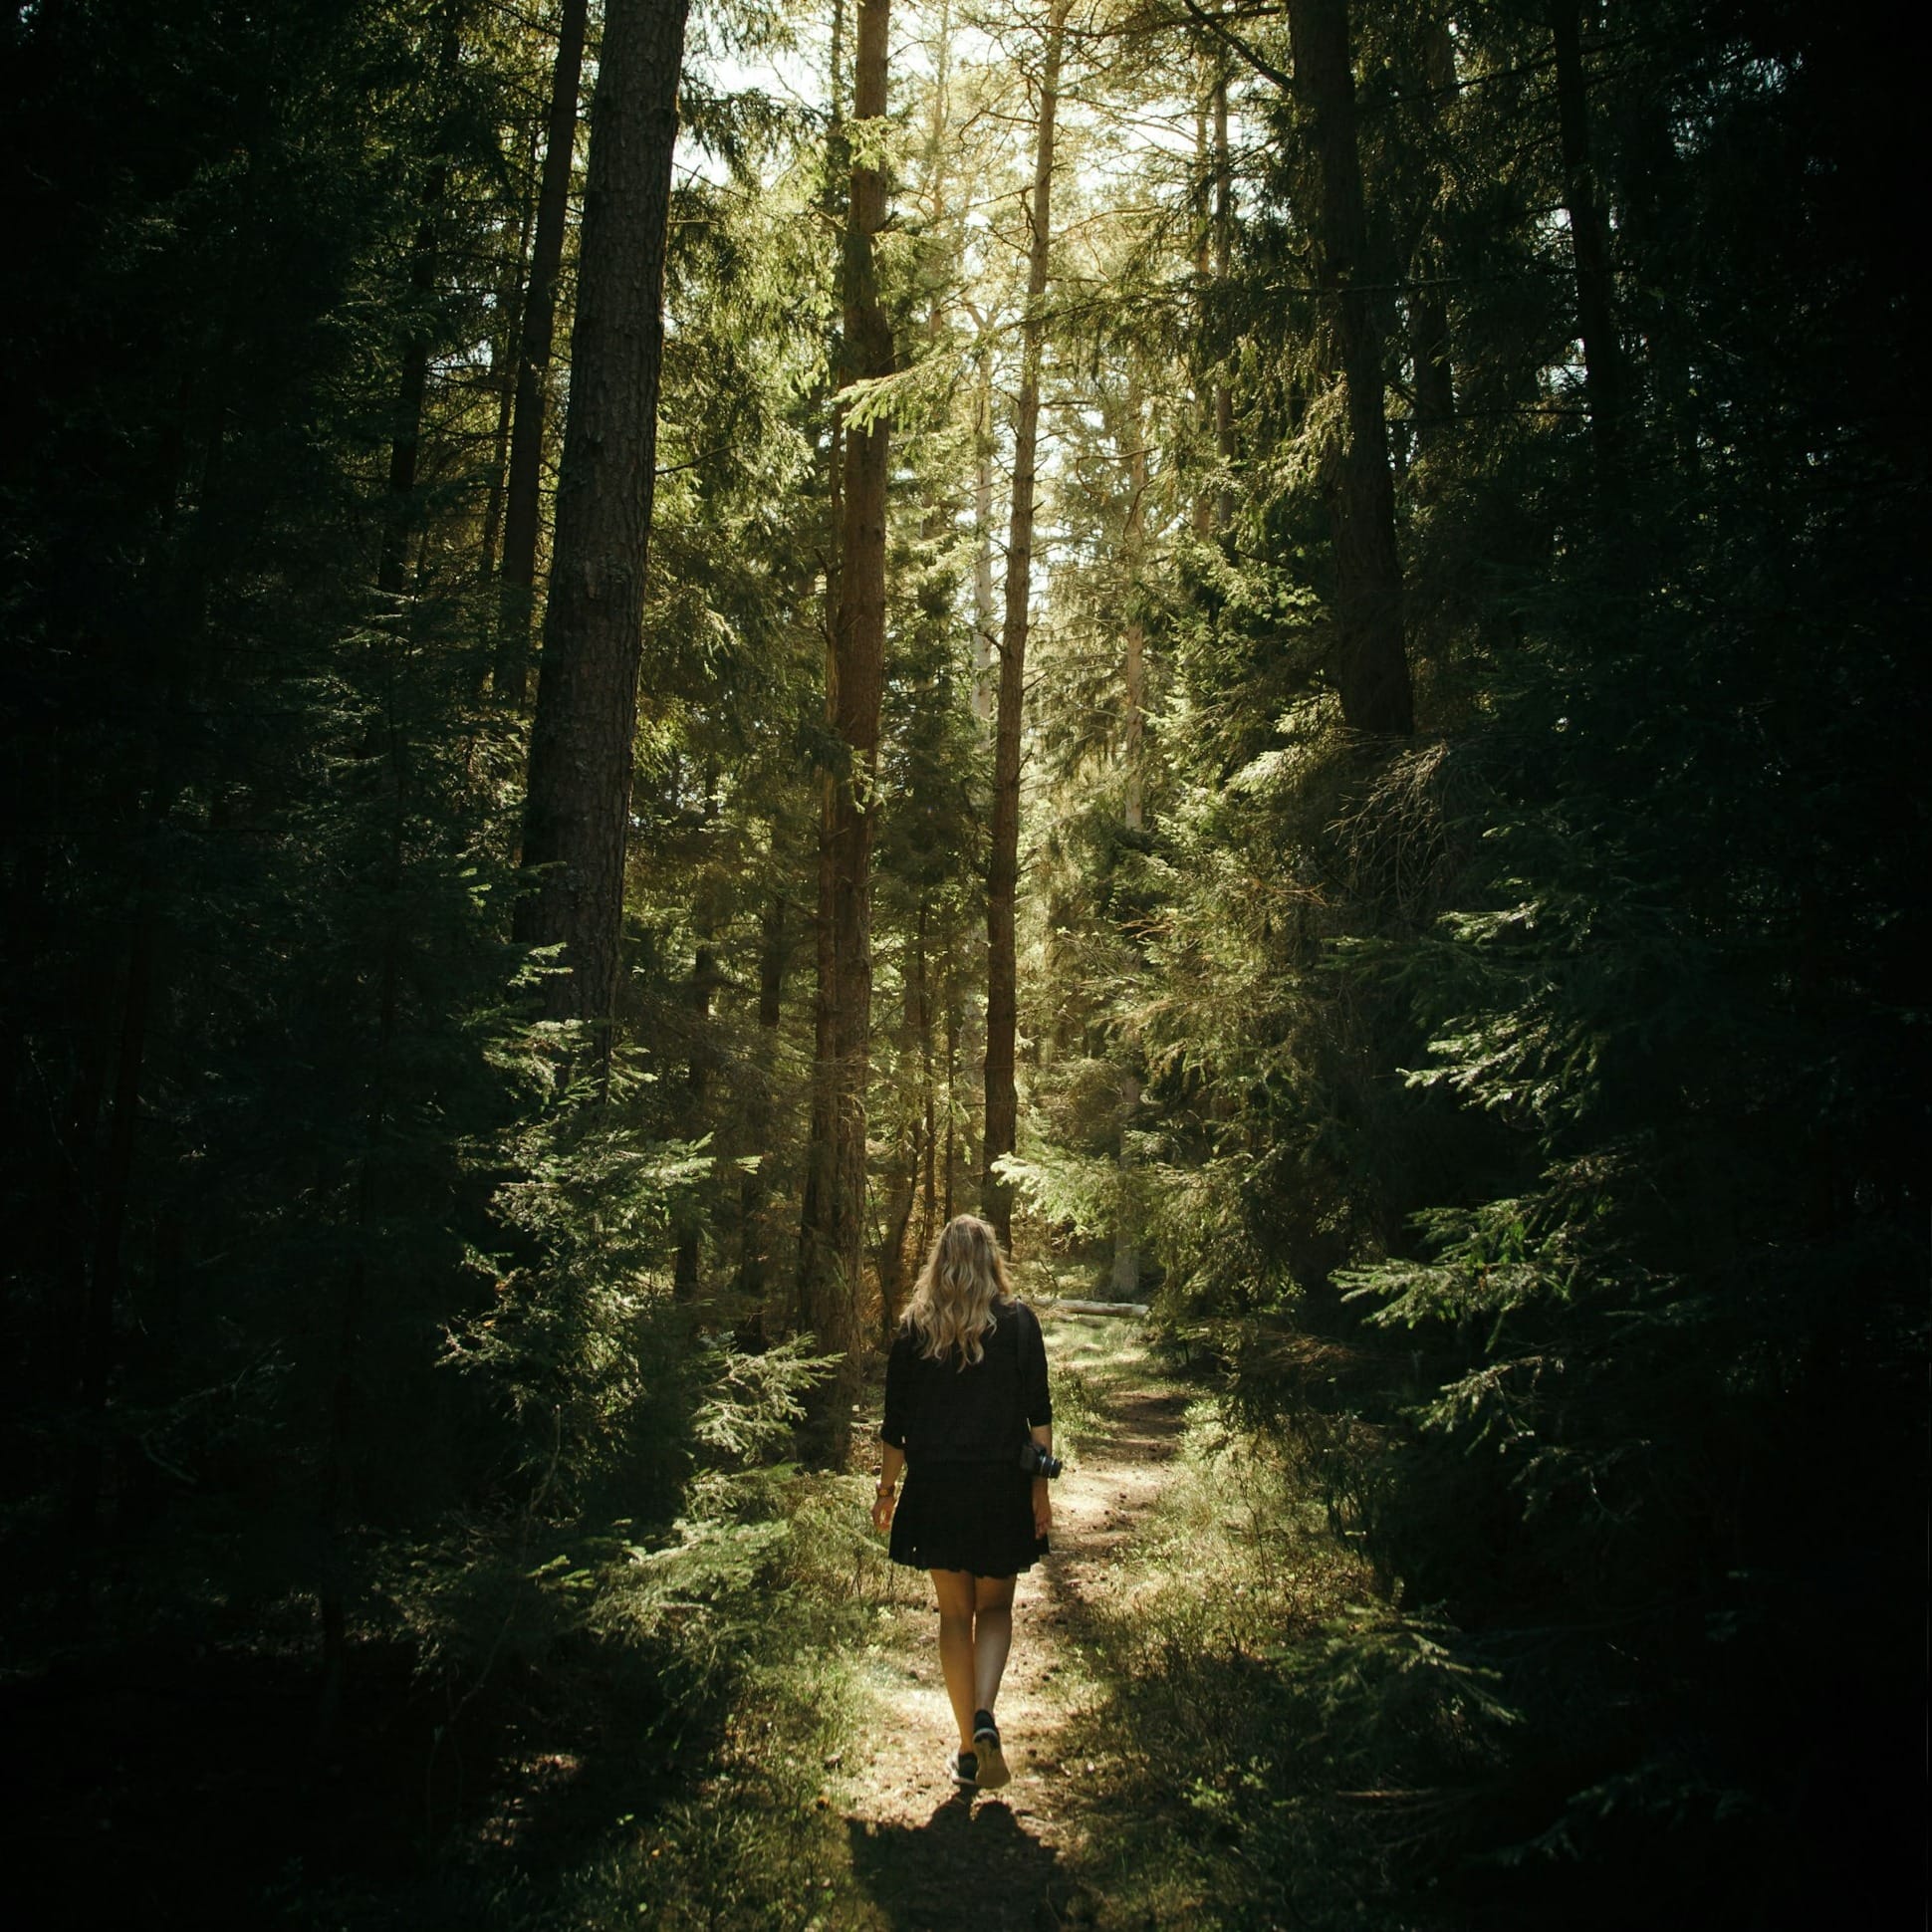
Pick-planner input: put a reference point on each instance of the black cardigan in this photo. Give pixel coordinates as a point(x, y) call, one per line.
point(949, 1411)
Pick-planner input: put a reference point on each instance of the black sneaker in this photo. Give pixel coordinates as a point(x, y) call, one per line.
point(993, 1772)
point(966, 1772)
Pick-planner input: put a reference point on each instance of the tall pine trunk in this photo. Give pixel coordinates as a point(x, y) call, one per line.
point(578, 809)
point(1003, 863)
point(524, 491)
point(985, 634)
point(1126, 1277)
point(502, 374)
point(832, 1237)
point(1223, 266)
point(1371, 671)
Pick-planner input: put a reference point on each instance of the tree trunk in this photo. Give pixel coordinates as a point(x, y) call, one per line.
point(929, 1201)
point(580, 749)
point(524, 496)
point(1002, 864)
point(985, 637)
point(911, 1141)
point(1589, 239)
point(1223, 265)
point(1133, 547)
point(752, 1255)
point(412, 386)
point(1435, 388)
point(697, 1094)
point(833, 1249)
point(504, 360)
point(1371, 662)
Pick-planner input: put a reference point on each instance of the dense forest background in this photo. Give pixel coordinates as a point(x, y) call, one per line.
point(1278, 644)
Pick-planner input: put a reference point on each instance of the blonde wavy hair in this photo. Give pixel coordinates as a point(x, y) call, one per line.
point(953, 1300)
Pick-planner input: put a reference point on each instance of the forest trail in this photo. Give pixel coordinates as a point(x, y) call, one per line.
point(1010, 1862)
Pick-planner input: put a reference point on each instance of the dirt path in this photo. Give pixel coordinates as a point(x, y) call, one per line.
point(1008, 1862)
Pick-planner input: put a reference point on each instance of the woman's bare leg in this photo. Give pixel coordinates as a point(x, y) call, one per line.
point(992, 1638)
point(954, 1589)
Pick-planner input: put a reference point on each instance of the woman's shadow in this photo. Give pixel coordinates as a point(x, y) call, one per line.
point(973, 1866)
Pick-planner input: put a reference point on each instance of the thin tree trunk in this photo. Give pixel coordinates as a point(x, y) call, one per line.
point(412, 386)
point(751, 1256)
point(1605, 378)
point(985, 635)
point(504, 358)
point(929, 1202)
point(524, 496)
point(833, 1249)
point(697, 1071)
point(1371, 662)
point(1003, 865)
point(1434, 378)
point(1133, 546)
point(1126, 1246)
point(697, 1089)
point(580, 749)
point(952, 1096)
point(1223, 266)
point(905, 1180)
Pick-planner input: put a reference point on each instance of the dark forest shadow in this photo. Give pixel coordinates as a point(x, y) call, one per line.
point(971, 1867)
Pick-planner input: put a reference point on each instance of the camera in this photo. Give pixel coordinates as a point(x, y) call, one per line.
point(1036, 1461)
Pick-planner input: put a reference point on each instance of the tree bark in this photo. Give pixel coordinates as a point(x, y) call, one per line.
point(581, 751)
point(832, 1246)
point(1133, 546)
point(985, 634)
point(1604, 380)
point(1371, 661)
point(1434, 376)
point(752, 1255)
point(412, 386)
point(1003, 863)
point(504, 360)
point(1223, 265)
point(524, 493)
point(911, 1138)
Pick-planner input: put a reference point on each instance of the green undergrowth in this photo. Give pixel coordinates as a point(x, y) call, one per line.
point(1267, 1745)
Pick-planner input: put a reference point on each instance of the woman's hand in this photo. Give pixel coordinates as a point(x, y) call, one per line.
point(1043, 1506)
point(883, 1503)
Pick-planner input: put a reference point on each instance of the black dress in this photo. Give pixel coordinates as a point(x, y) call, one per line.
point(966, 1503)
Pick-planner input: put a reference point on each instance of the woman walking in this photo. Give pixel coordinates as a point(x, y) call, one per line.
point(968, 1421)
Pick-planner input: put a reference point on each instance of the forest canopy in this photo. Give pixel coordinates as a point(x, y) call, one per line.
point(1269, 640)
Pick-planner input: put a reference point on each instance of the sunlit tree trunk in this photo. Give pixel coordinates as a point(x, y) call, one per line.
point(581, 751)
point(524, 492)
point(985, 635)
point(833, 1249)
point(1372, 669)
point(1002, 864)
point(753, 1257)
point(1223, 265)
point(1126, 1242)
point(503, 374)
